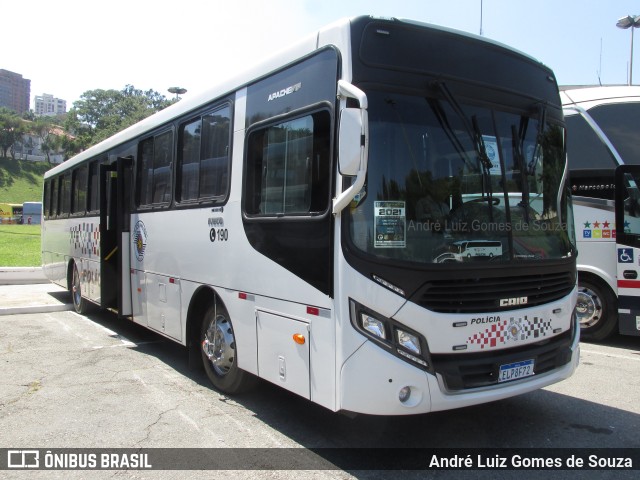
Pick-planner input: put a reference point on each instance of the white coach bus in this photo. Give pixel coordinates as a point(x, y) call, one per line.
point(284, 225)
point(603, 131)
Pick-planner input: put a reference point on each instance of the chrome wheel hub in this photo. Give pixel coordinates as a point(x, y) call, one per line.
point(75, 287)
point(589, 307)
point(219, 345)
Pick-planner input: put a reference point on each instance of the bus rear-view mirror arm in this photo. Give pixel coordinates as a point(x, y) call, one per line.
point(353, 143)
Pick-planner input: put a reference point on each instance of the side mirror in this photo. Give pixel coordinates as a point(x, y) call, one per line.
point(350, 135)
point(353, 143)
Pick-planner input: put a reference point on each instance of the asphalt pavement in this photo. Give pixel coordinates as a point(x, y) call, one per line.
point(102, 383)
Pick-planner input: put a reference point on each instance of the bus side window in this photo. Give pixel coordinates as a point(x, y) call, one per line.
point(79, 190)
point(153, 175)
point(46, 199)
point(144, 173)
point(619, 121)
point(585, 150)
point(162, 164)
point(288, 171)
point(93, 186)
point(53, 212)
point(632, 202)
point(189, 161)
point(204, 154)
point(214, 153)
point(65, 194)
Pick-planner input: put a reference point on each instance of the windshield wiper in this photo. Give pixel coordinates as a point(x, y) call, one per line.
point(473, 130)
point(517, 143)
point(527, 169)
point(485, 161)
point(448, 130)
point(536, 151)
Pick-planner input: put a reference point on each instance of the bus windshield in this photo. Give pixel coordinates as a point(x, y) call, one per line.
point(453, 182)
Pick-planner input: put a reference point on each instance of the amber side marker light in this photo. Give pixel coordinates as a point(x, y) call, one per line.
point(299, 338)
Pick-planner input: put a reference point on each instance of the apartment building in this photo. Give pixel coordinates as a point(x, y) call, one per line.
point(15, 91)
point(47, 104)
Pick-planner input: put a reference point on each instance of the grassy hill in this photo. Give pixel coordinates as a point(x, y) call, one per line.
point(21, 181)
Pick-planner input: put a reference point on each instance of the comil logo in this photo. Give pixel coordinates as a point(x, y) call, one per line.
point(23, 459)
point(512, 302)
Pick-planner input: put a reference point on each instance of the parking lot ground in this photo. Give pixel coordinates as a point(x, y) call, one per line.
point(72, 381)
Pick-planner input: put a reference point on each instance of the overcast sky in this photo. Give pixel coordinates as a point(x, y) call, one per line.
point(66, 47)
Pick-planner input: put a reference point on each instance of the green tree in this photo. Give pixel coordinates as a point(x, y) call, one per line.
point(12, 128)
point(29, 115)
point(48, 133)
point(102, 113)
point(72, 144)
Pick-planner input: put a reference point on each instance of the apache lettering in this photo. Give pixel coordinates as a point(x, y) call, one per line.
point(285, 91)
point(489, 319)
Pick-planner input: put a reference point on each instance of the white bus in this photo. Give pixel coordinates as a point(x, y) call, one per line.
point(473, 249)
point(278, 226)
point(603, 131)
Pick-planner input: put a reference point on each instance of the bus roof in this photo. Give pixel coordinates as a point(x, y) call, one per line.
point(588, 96)
point(325, 36)
point(185, 105)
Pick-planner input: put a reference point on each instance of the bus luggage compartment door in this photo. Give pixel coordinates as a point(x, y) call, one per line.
point(283, 352)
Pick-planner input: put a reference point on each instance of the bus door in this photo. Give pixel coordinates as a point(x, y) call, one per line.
point(115, 220)
point(628, 247)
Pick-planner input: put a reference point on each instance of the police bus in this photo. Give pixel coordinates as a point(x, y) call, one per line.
point(604, 160)
point(279, 225)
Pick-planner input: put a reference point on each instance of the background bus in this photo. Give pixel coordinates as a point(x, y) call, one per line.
point(32, 213)
point(603, 144)
point(10, 213)
point(278, 224)
point(486, 249)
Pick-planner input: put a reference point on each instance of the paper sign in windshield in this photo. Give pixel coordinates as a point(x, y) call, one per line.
point(390, 224)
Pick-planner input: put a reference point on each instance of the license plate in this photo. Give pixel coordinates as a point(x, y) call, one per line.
point(514, 371)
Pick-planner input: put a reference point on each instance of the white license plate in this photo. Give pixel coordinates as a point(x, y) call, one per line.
point(514, 371)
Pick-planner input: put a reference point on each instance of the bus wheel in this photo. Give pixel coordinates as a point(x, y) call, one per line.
point(81, 305)
point(219, 354)
point(596, 310)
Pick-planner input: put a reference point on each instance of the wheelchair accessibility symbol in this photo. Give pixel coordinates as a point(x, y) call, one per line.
point(625, 255)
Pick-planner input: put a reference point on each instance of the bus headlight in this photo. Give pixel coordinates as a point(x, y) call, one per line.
point(391, 335)
point(373, 326)
point(408, 341)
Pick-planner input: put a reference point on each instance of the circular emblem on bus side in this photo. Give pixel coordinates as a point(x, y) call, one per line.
point(139, 240)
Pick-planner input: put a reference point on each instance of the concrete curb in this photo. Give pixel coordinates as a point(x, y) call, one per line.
point(21, 275)
point(26, 295)
point(35, 309)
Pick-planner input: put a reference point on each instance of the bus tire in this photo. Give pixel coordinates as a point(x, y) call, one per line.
point(80, 304)
point(219, 355)
point(596, 309)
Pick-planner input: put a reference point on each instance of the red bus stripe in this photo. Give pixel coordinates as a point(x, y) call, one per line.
point(628, 283)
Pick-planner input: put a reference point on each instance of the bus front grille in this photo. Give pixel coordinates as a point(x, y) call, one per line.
point(494, 294)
